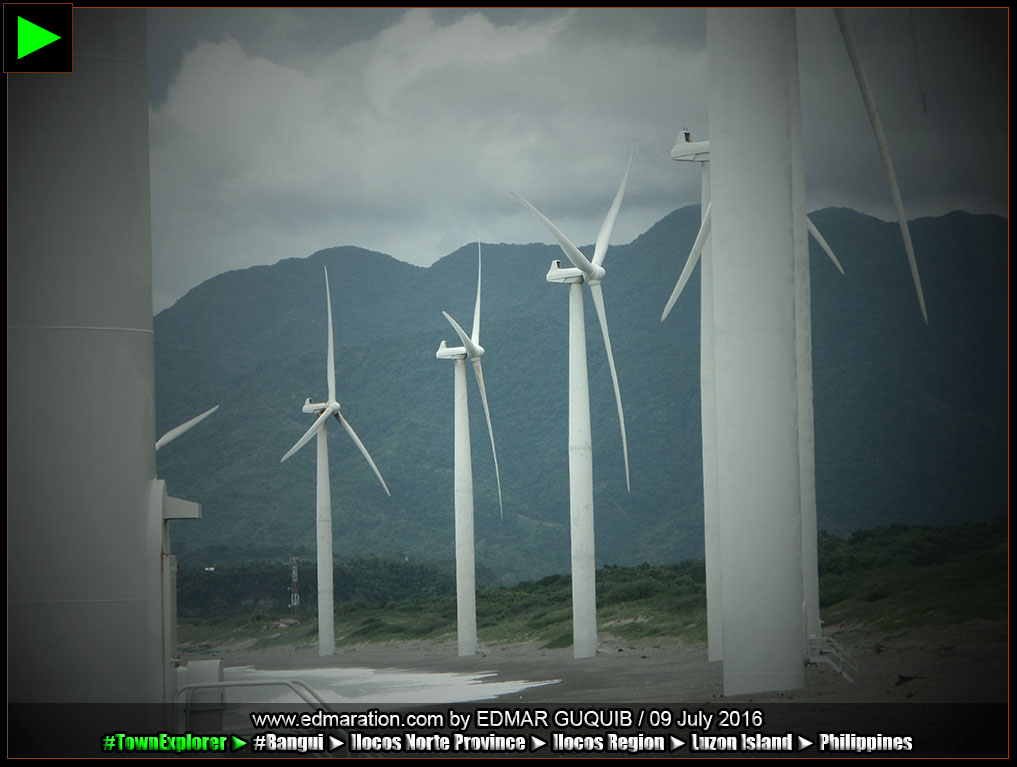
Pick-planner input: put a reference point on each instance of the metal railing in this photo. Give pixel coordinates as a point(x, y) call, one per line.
point(300, 689)
point(831, 652)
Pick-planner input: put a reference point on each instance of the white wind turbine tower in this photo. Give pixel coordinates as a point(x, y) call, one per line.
point(323, 506)
point(584, 585)
point(699, 151)
point(466, 584)
point(760, 246)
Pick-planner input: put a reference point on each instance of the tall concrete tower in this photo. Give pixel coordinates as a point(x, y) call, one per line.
point(85, 520)
point(758, 224)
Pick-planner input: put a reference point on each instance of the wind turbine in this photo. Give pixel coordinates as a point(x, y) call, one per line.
point(759, 232)
point(323, 505)
point(699, 151)
point(168, 508)
point(692, 152)
point(584, 586)
point(466, 584)
point(185, 511)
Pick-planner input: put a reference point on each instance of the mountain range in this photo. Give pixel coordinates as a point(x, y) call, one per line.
point(911, 420)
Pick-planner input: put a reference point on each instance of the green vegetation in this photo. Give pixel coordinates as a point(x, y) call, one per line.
point(901, 576)
point(888, 578)
point(263, 586)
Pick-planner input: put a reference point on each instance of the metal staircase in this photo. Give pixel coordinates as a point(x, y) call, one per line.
point(829, 651)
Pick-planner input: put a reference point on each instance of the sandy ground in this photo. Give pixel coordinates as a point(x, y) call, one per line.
point(938, 664)
point(944, 690)
point(943, 687)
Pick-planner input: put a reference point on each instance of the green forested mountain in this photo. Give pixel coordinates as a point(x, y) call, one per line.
point(911, 421)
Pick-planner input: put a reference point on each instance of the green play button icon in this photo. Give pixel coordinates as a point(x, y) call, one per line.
point(32, 37)
point(38, 37)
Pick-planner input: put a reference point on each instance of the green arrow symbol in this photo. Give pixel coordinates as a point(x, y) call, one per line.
point(238, 743)
point(32, 37)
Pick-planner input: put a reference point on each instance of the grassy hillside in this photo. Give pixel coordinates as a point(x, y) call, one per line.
point(889, 578)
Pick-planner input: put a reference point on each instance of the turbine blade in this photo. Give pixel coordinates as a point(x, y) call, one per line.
point(176, 431)
point(574, 255)
point(596, 291)
point(331, 348)
point(918, 64)
point(476, 306)
point(884, 152)
point(690, 264)
point(824, 244)
point(353, 435)
point(472, 350)
point(483, 398)
point(604, 236)
point(318, 424)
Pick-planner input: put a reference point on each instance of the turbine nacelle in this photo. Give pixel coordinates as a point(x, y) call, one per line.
point(687, 149)
point(446, 352)
point(318, 407)
point(572, 274)
point(471, 348)
point(456, 352)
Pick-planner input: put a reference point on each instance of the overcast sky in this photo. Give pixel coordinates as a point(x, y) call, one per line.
point(275, 133)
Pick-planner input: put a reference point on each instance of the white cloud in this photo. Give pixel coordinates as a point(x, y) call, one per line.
point(417, 46)
point(254, 160)
point(406, 140)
